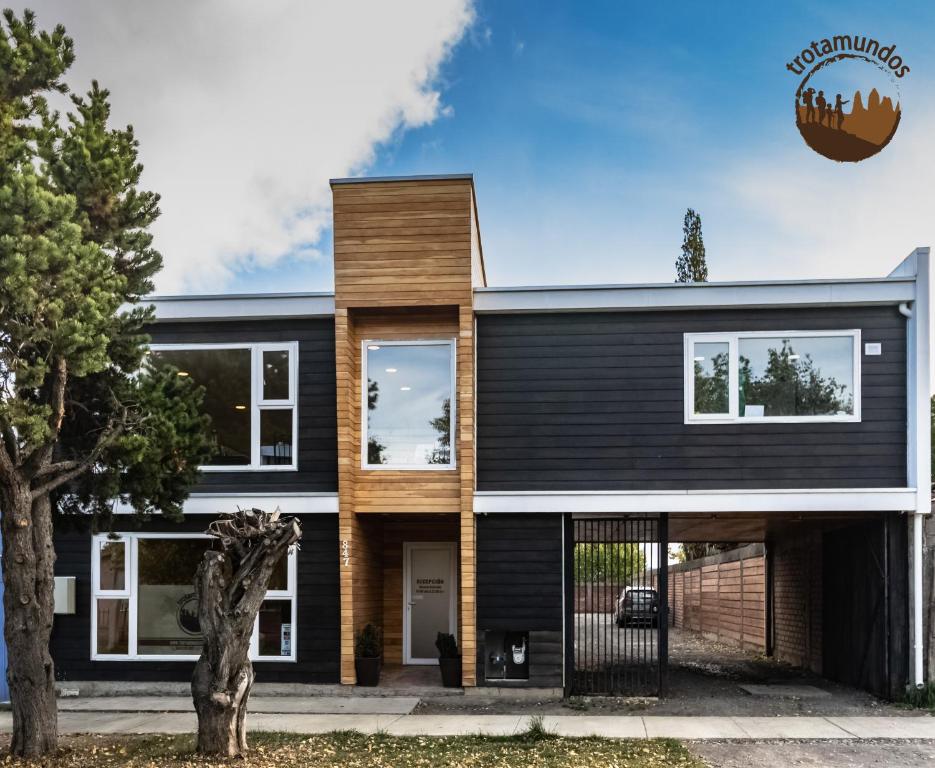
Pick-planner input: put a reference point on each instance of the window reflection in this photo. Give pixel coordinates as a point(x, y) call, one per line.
point(711, 364)
point(409, 390)
point(797, 376)
point(225, 375)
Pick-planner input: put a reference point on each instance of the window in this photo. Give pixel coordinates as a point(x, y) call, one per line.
point(772, 377)
point(250, 396)
point(144, 604)
point(408, 402)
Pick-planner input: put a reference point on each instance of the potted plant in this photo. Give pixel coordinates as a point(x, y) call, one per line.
point(368, 653)
point(449, 660)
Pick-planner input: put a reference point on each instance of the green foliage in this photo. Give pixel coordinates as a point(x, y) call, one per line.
point(607, 563)
point(76, 256)
point(368, 643)
point(712, 390)
point(691, 266)
point(922, 697)
point(447, 646)
point(442, 425)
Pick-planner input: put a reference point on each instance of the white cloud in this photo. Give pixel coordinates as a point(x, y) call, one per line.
point(244, 110)
point(800, 215)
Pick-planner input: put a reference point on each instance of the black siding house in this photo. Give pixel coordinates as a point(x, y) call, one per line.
point(583, 429)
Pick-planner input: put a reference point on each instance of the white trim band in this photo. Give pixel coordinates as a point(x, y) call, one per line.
point(241, 306)
point(816, 293)
point(287, 503)
point(759, 500)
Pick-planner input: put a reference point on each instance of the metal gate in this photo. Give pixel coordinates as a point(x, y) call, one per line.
point(620, 606)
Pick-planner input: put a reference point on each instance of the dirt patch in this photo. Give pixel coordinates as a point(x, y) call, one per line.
point(821, 754)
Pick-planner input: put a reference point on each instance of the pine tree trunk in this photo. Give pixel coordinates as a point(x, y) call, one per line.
point(28, 603)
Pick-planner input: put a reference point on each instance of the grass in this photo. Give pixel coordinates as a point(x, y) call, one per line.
point(535, 748)
point(922, 697)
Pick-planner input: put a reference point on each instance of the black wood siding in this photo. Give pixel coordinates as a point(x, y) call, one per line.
point(318, 611)
point(865, 583)
point(579, 401)
point(519, 589)
point(317, 403)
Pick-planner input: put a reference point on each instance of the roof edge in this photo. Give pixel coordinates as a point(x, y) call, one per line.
point(389, 179)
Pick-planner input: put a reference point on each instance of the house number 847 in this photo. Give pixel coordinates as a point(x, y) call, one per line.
point(346, 553)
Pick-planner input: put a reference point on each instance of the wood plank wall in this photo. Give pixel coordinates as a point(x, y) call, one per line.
point(722, 597)
point(404, 256)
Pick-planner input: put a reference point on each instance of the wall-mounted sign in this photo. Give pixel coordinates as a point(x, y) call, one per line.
point(433, 586)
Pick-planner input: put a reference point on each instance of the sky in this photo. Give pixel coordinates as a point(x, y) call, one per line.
point(589, 127)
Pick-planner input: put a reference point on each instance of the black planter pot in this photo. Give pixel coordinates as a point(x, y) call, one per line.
point(368, 671)
point(451, 671)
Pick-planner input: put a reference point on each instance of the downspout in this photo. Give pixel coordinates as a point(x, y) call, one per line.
point(918, 679)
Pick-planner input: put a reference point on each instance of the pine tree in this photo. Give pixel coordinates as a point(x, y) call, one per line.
point(691, 266)
point(83, 419)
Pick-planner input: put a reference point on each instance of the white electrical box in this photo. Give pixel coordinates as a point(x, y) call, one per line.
point(873, 348)
point(65, 594)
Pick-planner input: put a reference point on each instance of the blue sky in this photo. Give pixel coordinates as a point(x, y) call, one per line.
point(590, 127)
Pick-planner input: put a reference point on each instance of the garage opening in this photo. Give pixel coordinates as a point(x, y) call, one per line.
point(619, 630)
point(802, 606)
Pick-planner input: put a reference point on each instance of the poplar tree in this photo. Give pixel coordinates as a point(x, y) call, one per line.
point(691, 266)
point(83, 420)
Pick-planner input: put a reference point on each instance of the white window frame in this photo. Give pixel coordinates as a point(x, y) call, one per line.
point(257, 403)
point(453, 420)
point(131, 594)
point(732, 339)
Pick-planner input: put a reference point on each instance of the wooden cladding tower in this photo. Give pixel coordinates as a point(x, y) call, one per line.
point(407, 257)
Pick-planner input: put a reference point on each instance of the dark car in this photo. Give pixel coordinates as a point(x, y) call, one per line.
point(637, 606)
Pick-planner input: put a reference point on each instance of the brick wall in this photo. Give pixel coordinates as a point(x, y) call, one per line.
point(797, 593)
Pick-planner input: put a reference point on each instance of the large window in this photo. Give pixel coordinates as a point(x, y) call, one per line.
point(772, 377)
point(144, 604)
point(408, 405)
point(250, 396)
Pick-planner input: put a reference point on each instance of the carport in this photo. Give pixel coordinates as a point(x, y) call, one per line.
point(831, 598)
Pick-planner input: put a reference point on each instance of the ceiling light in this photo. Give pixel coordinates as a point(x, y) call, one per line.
point(373, 347)
point(699, 359)
point(183, 373)
point(391, 370)
point(240, 407)
point(404, 389)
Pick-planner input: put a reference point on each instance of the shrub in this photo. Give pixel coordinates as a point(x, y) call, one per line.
point(447, 646)
point(369, 643)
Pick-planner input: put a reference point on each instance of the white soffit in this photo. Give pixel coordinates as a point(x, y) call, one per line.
point(815, 293)
point(623, 502)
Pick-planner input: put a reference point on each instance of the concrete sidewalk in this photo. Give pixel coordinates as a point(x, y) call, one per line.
point(140, 720)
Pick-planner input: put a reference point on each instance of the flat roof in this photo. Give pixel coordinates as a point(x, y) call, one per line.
point(387, 179)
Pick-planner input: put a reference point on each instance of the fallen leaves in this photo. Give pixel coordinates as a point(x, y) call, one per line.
point(354, 750)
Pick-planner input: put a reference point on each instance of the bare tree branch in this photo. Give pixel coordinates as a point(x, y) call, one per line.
point(82, 466)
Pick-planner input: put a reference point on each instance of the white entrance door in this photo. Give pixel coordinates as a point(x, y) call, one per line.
point(429, 598)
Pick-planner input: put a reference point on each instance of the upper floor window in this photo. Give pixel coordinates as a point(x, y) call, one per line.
point(408, 402)
point(250, 394)
point(772, 376)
